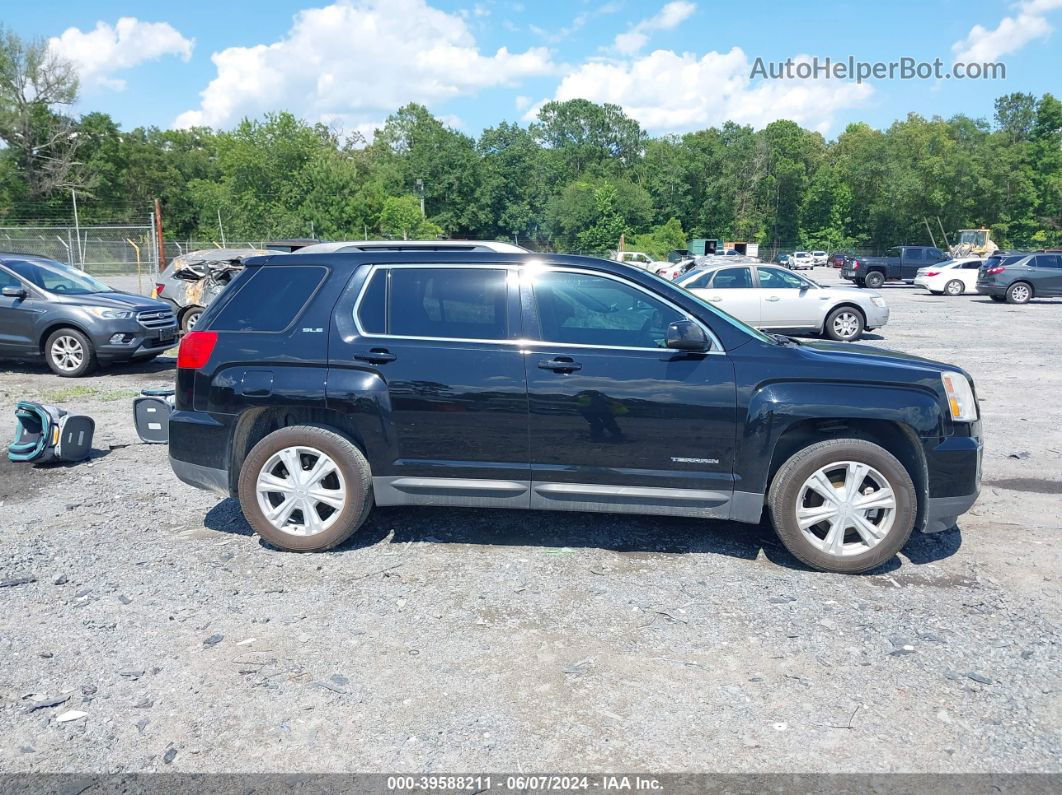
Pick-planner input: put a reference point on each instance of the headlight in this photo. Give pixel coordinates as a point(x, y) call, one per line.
point(877, 300)
point(960, 396)
point(110, 314)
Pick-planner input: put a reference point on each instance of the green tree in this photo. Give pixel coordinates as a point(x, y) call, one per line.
point(401, 219)
point(34, 81)
point(606, 226)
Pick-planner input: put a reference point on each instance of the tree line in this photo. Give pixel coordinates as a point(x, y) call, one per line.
point(576, 179)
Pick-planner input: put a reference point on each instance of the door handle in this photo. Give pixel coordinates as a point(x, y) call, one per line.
point(715, 298)
point(772, 298)
point(376, 356)
point(560, 364)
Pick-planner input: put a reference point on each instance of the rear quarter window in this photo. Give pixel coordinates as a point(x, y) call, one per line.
point(270, 299)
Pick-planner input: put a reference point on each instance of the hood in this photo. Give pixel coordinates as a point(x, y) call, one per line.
point(864, 355)
point(115, 300)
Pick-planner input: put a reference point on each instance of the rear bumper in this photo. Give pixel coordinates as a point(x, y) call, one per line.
point(200, 449)
point(991, 289)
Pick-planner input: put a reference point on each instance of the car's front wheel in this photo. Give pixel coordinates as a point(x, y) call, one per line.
point(1019, 293)
point(69, 353)
point(954, 287)
point(845, 324)
point(305, 488)
point(843, 505)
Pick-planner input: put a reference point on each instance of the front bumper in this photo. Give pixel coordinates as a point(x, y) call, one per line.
point(877, 316)
point(137, 341)
point(954, 468)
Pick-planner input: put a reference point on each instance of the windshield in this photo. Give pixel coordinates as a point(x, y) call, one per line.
point(54, 277)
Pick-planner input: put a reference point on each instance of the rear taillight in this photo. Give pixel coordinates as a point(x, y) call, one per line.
point(195, 350)
point(855, 264)
point(159, 288)
point(995, 270)
point(932, 273)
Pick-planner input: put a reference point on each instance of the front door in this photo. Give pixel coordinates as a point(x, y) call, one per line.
point(17, 316)
point(618, 422)
point(788, 301)
point(442, 340)
point(910, 262)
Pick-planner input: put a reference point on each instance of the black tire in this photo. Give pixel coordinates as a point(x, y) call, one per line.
point(190, 317)
point(954, 287)
point(788, 486)
point(999, 299)
point(874, 280)
point(61, 353)
point(844, 324)
point(1019, 293)
point(350, 463)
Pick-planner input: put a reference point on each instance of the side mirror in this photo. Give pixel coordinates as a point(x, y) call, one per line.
point(685, 335)
point(14, 292)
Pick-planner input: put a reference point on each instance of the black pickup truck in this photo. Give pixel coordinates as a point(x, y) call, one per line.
point(900, 263)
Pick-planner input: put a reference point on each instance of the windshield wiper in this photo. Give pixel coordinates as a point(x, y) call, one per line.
point(782, 339)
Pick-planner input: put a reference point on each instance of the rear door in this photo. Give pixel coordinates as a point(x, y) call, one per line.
point(733, 291)
point(432, 361)
point(618, 422)
point(1047, 274)
point(912, 259)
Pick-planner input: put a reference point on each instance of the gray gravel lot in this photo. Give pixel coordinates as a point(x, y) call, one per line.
point(462, 640)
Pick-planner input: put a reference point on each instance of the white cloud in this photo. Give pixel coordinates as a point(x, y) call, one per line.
point(577, 23)
point(667, 18)
point(1010, 35)
point(104, 50)
point(671, 92)
point(358, 60)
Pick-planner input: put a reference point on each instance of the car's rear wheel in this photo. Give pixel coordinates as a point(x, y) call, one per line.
point(305, 488)
point(190, 317)
point(845, 324)
point(954, 287)
point(843, 505)
point(69, 353)
point(1019, 293)
point(875, 279)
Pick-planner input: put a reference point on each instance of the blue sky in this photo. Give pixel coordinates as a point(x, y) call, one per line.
point(676, 66)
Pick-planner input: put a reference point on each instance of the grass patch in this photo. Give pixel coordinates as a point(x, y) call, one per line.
point(74, 392)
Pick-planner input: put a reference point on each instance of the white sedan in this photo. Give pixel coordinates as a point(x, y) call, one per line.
point(770, 297)
point(953, 277)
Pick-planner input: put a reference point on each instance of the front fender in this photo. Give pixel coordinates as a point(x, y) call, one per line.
point(775, 408)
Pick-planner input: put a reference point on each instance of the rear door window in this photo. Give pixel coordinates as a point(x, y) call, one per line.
point(270, 299)
point(732, 278)
point(447, 303)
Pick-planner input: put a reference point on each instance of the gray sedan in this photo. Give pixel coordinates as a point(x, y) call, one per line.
point(770, 297)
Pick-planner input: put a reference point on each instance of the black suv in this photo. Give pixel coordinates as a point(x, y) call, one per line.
point(74, 321)
point(319, 385)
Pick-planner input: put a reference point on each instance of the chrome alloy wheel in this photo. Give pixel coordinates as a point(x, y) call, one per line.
point(845, 508)
point(301, 491)
point(68, 353)
point(846, 324)
point(1020, 293)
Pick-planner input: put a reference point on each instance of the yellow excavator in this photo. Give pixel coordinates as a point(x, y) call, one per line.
point(973, 243)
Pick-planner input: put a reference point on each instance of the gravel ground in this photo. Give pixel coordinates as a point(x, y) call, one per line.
point(448, 640)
